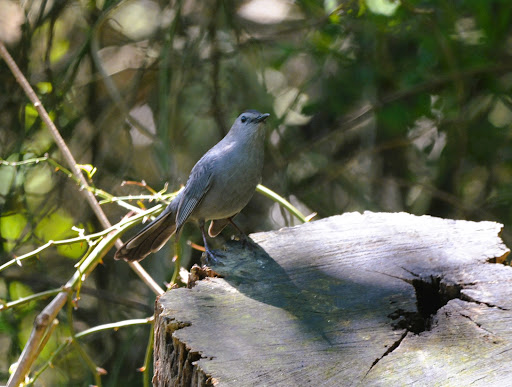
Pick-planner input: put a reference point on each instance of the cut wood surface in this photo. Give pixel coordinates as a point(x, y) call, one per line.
point(373, 299)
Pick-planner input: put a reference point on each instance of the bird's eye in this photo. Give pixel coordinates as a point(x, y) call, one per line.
point(243, 118)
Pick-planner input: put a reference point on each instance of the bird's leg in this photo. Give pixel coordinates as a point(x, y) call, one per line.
point(235, 226)
point(243, 238)
point(209, 253)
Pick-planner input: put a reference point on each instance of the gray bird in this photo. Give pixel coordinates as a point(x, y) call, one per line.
point(219, 186)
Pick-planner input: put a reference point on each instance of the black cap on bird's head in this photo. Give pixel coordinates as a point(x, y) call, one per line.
point(252, 116)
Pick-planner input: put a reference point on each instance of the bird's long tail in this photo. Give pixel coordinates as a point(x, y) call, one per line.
point(151, 238)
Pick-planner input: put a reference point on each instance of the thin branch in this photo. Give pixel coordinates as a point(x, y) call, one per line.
point(32, 297)
point(105, 296)
point(146, 377)
point(30, 351)
point(47, 336)
point(70, 160)
point(50, 312)
point(115, 326)
point(107, 197)
point(90, 239)
point(47, 364)
point(110, 86)
point(95, 370)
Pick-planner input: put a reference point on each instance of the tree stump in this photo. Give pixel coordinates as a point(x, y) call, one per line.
point(373, 299)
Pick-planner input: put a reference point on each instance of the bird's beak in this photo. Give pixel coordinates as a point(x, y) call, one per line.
point(262, 117)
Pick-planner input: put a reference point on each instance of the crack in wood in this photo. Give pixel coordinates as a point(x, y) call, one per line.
point(478, 324)
point(394, 346)
point(411, 321)
point(465, 297)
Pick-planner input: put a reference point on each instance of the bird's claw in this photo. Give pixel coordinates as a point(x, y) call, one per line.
point(210, 257)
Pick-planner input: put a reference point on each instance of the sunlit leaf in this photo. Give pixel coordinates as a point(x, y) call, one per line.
point(383, 7)
point(73, 251)
point(55, 226)
point(30, 115)
point(19, 290)
point(44, 87)
point(39, 180)
point(59, 49)
point(11, 228)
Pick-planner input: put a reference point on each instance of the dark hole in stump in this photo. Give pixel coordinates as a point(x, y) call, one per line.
point(431, 295)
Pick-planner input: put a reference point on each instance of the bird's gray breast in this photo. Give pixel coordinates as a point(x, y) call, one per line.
point(236, 171)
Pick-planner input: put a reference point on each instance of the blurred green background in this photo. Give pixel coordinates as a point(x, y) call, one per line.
point(375, 105)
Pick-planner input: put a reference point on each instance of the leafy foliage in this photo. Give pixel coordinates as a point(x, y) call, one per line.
point(375, 105)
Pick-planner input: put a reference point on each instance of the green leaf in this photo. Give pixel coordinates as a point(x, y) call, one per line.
point(55, 226)
point(44, 87)
point(58, 226)
point(59, 49)
point(39, 180)
point(11, 228)
point(73, 251)
point(19, 290)
point(30, 116)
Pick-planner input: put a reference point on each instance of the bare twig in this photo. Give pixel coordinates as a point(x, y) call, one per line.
point(107, 197)
point(146, 378)
point(115, 326)
point(47, 336)
point(49, 313)
point(32, 297)
point(41, 323)
point(54, 354)
point(70, 160)
point(95, 370)
point(91, 239)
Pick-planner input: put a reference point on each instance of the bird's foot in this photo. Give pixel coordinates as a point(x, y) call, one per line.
point(210, 257)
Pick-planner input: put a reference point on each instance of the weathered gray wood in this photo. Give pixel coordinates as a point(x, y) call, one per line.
point(359, 299)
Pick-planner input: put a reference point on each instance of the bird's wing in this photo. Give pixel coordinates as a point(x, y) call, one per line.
point(198, 184)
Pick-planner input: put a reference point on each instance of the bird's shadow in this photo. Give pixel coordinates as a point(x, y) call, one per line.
point(248, 268)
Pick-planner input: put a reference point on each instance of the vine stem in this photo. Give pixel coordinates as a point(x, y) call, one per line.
point(70, 160)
